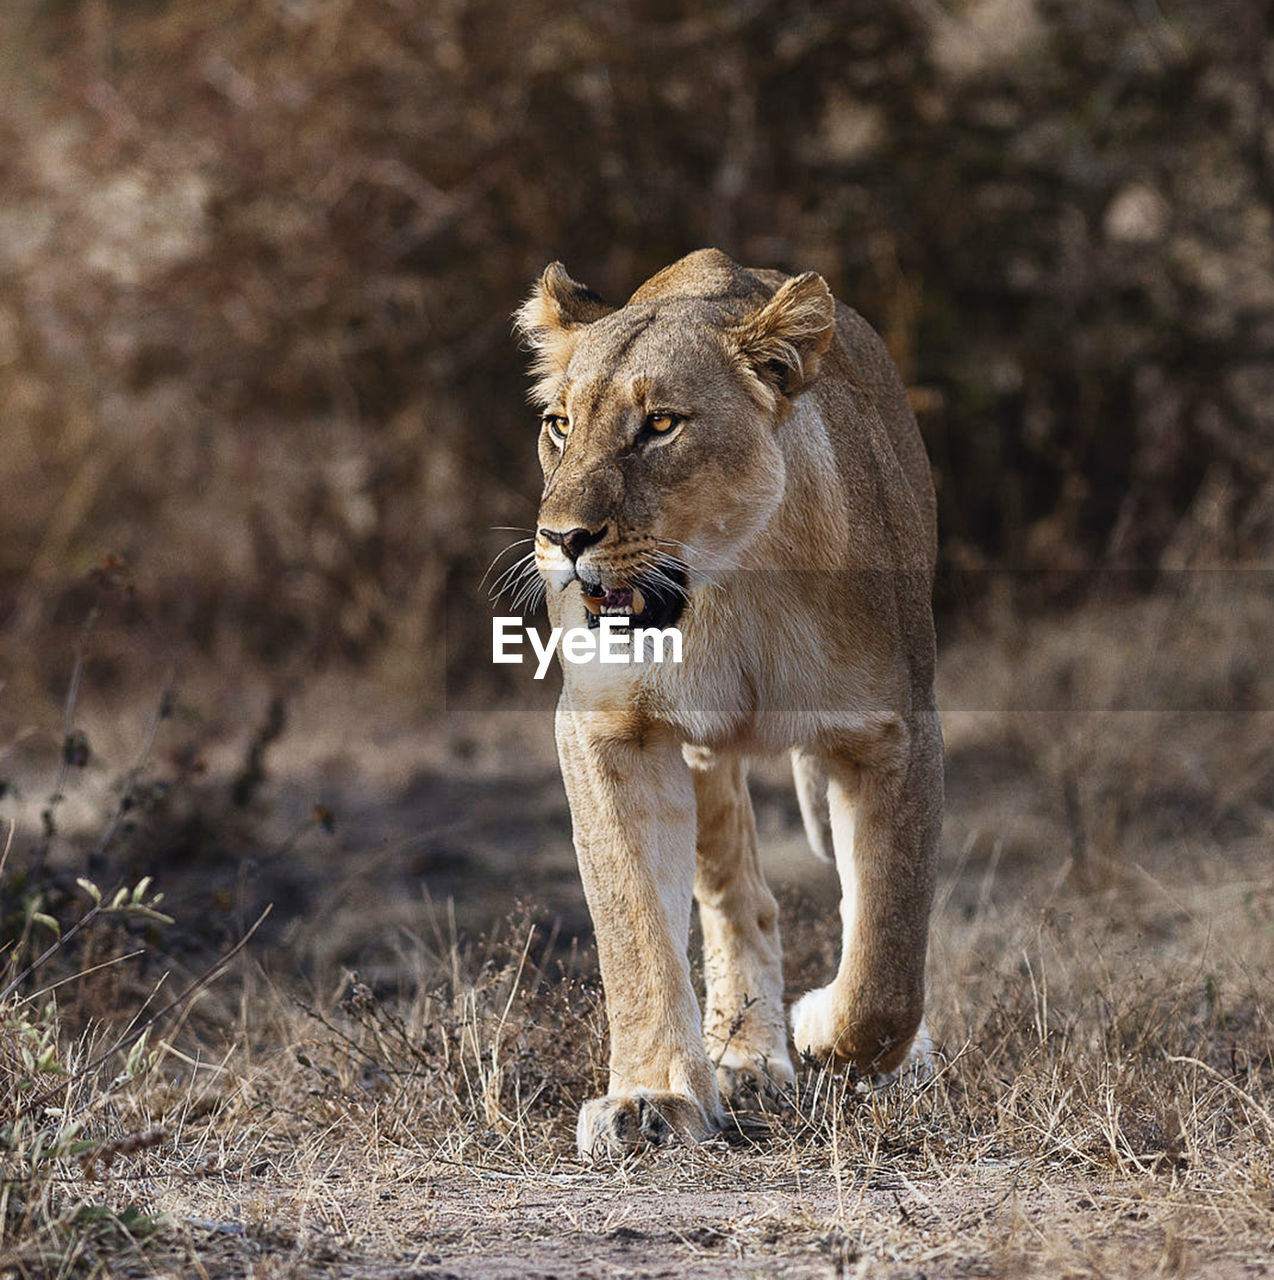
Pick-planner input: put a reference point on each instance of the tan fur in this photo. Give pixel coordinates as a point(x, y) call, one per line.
point(797, 491)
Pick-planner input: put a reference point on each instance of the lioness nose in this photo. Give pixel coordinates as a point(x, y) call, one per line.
point(574, 541)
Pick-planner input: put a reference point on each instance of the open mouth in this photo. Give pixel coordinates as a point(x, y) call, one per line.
point(644, 604)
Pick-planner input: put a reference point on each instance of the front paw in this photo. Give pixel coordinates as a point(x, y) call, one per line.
point(825, 1026)
point(621, 1123)
point(917, 1066)
point(817, 1021)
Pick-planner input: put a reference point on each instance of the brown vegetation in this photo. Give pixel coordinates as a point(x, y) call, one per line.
point(258, 262)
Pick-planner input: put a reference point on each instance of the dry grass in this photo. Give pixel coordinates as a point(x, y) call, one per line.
point(1102, 962)
point(1104, 1108)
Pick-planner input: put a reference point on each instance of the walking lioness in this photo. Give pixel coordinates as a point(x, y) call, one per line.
point(732, 453)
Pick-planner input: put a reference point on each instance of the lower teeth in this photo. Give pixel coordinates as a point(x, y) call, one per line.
point(594, 605)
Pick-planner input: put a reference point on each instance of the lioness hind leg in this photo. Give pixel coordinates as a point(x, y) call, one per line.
point(743, 1026)
point(885, 823)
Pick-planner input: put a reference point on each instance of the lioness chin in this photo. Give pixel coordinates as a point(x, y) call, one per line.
point(732, 452)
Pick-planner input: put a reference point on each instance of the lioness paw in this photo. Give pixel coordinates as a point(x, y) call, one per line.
point(816, 1019)
point(745, 1078)
point(622, 1123)
point(917, 1065)
point(823, 1028)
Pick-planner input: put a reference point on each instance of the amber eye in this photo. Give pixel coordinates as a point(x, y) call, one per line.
point(559, 427)
point(662, 423)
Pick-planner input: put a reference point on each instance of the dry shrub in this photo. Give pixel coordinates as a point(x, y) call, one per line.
point(258, 262)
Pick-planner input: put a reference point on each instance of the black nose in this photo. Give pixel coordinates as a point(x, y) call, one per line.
point(574, 541)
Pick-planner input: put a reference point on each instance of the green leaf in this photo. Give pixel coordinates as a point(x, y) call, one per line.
point(89, 1213)
point(137, 1054)
point(138, 1223)
point(148, 914)
point(91, 889)
point(47, 1061)
point(130, 1219)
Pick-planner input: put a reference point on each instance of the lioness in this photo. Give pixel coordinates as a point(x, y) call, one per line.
point(732, 452)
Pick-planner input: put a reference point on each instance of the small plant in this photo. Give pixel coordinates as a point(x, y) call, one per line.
point(77, 1062)
point(49, 1086)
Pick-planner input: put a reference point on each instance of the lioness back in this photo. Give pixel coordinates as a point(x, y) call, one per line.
point(860, 357)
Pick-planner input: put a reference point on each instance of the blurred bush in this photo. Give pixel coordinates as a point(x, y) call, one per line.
point(257, 259)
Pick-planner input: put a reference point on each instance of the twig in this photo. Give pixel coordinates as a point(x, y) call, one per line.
point(126, 800)
point(68, 727)
point(1234, 1088)
point(736, 1025)
point(370, 1059)
point(252, 775)
point(8, 844)
point(83, 973)
point(53, 948)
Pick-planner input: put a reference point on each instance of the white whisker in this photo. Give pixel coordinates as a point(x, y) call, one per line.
point(529, 595)
point(683, 566)
point(525, 586)
point(512, 576)
point(655, 574)
point(696, 556)
point(517, 566)
point(521, 542)
point(527, 590)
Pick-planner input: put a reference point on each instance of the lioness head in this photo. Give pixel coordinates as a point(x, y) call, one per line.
point(658, 436)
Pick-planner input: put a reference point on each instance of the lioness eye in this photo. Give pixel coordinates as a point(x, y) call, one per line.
point(662, 423)
point(559, 427)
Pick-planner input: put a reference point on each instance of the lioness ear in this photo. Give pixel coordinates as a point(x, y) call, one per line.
point(549, 319)
point(782, 342)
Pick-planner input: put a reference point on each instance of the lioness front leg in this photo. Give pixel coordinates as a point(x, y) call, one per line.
point(633, 812)
point(885, 819)
point(743, 1026)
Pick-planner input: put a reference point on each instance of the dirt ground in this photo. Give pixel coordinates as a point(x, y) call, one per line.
point(653, 1224)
